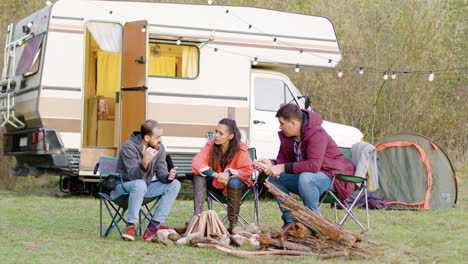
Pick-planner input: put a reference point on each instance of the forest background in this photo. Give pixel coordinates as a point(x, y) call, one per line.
point(390, 35)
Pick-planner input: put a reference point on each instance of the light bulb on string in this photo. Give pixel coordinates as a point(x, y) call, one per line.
point(210, 2)
point(393, 75)
point(340, 73)
point(361, 70)
point(215, 49)
point(330, 61)
point(250, 25)
point(275, 41)
point(255, 61)
point(297, 68)
point(385, 76)
point(431, 76)
point(178, 42)
point(227, 11)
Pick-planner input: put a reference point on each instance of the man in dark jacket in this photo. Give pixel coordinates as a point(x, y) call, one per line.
point(307, 159)
point(142, 164)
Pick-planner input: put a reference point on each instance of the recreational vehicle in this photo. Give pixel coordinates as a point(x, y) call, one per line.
point(79, 76)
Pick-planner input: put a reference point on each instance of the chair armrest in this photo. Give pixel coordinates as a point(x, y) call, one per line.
point(350, 178)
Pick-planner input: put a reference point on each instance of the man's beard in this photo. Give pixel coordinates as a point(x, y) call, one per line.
point(155, 147)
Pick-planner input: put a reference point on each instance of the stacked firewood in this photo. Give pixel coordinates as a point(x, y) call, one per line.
point(311, 235)
point(206, 223)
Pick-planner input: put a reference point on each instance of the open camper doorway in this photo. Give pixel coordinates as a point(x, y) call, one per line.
point(102, 85)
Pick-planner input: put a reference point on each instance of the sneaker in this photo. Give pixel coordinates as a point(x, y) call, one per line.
point(150, 233)
point(129, 233)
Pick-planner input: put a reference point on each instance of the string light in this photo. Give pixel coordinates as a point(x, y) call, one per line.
point(340, 73)
point(255, 61)
point(385, 76)
point(178, 42)
point(431, 76)
point(297, 68)
point(275, 41)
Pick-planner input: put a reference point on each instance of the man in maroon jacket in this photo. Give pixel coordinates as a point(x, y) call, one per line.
point(307, 159)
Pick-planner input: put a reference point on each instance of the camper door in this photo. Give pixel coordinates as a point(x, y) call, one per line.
point(133, 92)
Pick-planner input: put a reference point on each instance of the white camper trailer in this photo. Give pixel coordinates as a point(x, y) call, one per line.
point(81, 75)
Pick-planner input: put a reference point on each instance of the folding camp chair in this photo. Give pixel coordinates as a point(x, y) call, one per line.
point(252, 190)
point(361, 188)
point(118, 207)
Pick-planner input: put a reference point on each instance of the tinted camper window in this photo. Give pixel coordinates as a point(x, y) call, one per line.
point(271, 94)
point(30, 58)
point(168, 60)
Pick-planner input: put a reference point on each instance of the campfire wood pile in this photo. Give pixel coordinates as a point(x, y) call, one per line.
point(312, 235)
point(206, 223)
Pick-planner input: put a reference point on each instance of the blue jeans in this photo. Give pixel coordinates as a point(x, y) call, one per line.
point(138, 190)
point(234, 182)
point(309, 186)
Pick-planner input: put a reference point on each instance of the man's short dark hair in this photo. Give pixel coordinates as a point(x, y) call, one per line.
point(290, 112)
point(148, 126)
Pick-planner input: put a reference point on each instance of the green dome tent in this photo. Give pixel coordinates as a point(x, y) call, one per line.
point(415, 173)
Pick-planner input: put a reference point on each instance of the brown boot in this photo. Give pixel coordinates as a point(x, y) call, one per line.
point(233, 205)
point(199, 193)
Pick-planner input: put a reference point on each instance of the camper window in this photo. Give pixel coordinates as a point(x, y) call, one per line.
point(271, 94)
point(170, 60)
point(30, 58)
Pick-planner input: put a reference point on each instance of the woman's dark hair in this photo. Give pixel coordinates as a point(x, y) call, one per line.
point(218, 160)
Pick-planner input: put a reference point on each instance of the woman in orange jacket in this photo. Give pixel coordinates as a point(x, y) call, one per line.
point(225, 166)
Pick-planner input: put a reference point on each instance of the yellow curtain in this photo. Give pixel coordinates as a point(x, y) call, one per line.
point(108, 73)
point(162, 66)
point(189, 62)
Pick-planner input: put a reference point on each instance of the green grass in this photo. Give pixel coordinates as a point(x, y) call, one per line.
point(39, 225)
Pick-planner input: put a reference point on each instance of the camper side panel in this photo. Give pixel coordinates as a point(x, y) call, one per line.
point(189, 108)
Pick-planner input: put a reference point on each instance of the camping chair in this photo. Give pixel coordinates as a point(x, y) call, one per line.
point(252, 190)
point(117, 207)
point(361, 186)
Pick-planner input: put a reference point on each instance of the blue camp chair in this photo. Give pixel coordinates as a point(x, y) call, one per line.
point(361, 189)
point(252, 190)
point(118, 207)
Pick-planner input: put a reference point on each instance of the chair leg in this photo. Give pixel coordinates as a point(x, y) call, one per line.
point(147, 215)
point(349, 210)
point(115, 218)
point(367, 207)
point(256, 207)
point(100, 217)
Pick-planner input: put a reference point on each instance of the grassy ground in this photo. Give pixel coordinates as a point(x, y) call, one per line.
point(40, 225)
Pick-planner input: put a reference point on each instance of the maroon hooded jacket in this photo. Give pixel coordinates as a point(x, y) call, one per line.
point(319, 153)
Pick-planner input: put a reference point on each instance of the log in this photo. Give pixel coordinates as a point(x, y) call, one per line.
point(202, 224)
point(255, 254)
point(284, 244)
point(264, 167)
point(192, 225)
point(312, 220)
